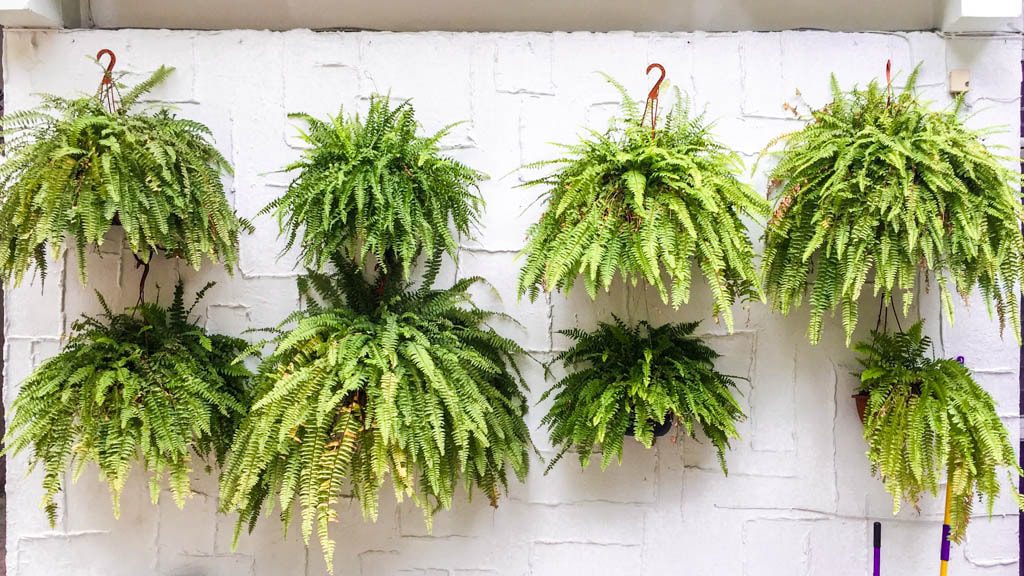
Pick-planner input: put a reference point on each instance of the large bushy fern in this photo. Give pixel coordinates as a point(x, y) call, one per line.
point(880, 187)
point(374, 187)
point(75, 168)
point(148, 384)
point(625, 378)
point(374, 382)
point(646, 204)
point(928, 420)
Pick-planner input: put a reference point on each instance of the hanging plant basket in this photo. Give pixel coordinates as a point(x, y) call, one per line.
point(878, 186)
point(927, 421)
point(76, 167)
point(376, 381)
point(148, 384)
point(646, 203)
point(638, 381)
point(390, 192)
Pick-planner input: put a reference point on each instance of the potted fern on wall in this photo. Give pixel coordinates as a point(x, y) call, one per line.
point(75, 167)
point(646, 203)
point(375, 378)
point(638, 380)
point(927, 420)
point(878, 187)
point(147, 384)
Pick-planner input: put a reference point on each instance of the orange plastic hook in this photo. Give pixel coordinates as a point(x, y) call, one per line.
point(107, 78)
point(653, 94)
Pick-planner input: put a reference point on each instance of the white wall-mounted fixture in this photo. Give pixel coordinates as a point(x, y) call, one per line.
point(31, 13)
point(959, 81)
point(981, 16)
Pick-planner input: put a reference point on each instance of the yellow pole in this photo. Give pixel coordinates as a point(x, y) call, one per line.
point(944, 555)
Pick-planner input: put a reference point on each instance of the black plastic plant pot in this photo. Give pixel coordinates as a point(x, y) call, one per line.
point(660, 428)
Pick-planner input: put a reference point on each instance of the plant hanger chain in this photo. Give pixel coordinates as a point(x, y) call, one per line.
point(883, 308)
point(107, 91)
point(144, 264)
point(652, 97)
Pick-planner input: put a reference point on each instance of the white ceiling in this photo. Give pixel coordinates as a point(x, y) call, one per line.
point(513, 15)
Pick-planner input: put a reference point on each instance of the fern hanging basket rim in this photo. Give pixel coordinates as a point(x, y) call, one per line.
point(660, 428)
point(862, 398)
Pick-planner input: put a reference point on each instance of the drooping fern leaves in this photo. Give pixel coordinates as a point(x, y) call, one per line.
point(881, 187)
point(624, 378)
point(74, 168)
point(145, 384)
point(375, 187)
point(363, 386)
point(640, 205)
point(927, 421)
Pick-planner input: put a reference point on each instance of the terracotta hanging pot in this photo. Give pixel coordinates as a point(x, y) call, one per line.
point(861, 398)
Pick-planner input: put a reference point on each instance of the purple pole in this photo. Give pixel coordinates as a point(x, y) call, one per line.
point(878, 550)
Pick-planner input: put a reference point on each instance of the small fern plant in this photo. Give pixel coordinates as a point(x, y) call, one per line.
point(145, 384)
point(74, 168)
point(928, 420)
point(368, 384)
point(645, 204)
point(374, 187)
point(878, 186)
point(625, 378)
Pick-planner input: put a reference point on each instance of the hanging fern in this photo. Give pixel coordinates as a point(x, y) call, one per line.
point(148, 382)
point(74, 168)
point(877, 186)
point(628, 378)
point(378, 381)
point(642, 205)
point(928, 420)
point(373, 187)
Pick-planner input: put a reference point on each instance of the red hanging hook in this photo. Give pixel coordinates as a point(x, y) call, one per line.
point(107, 73)
point(107, 92)
point(652, 96)
point(656, 89)
point(888, 81)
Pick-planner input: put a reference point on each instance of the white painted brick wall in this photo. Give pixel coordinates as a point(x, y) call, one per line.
point(800, 499)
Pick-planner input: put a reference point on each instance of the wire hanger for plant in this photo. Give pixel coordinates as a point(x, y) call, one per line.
point(111, 98)
point(652, 97)
point(108, 92)
point(895, 314)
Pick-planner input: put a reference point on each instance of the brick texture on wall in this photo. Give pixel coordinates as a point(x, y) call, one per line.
point(799, 499)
